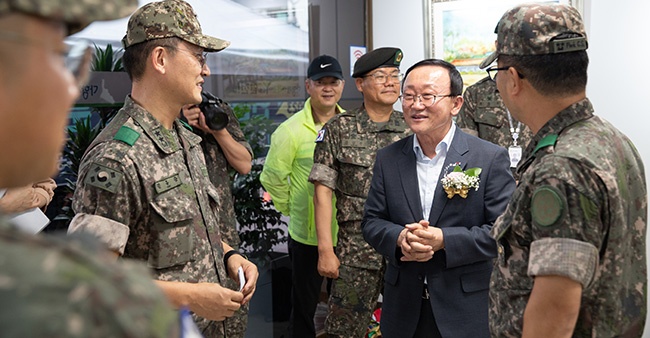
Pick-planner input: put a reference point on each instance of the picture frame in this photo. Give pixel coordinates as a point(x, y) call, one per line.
point(462, 31)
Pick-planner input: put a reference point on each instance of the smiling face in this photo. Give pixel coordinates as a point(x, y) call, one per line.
point(433, 121)
point(325, 92)
point(35, 100)
point(189, 71)
point(376, 93)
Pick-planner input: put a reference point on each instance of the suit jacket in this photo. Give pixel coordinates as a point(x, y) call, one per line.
point(457, 276)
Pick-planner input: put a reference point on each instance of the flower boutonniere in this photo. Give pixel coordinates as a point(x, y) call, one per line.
point(458, 182)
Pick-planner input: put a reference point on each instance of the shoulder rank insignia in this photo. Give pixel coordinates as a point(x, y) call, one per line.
point(127, 135)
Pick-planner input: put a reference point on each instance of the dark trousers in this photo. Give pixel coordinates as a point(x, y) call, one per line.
point(305, 290)
point(427, 327)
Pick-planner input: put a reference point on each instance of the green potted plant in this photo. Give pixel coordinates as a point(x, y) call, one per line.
point(260, 224)
point(261, 227)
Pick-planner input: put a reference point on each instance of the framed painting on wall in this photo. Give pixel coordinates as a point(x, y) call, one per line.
point(462, 31)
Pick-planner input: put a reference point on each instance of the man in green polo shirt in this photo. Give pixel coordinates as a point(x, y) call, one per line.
point(284, 176)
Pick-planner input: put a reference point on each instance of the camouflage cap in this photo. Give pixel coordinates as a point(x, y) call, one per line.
point(538, 29)
point(169, 18)
point(380, 57)
point(76, 14)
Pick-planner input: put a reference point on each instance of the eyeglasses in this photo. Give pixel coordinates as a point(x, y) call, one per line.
point(324, 83)
point(381, 78)
point(427, 100)
point(77, 54)
point(493, 71)
point(201, 57)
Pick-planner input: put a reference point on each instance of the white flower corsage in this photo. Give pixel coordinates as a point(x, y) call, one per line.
point(458, 182)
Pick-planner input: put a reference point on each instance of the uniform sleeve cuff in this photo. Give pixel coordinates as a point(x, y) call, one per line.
point(565, 257)
point(324, 175)
point(108, 231)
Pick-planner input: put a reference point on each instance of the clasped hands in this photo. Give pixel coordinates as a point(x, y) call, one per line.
point(419, 241)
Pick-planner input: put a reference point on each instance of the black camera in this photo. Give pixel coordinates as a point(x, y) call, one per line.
point(215, 117)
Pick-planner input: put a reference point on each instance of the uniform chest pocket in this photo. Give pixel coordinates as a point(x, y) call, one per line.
point(355, 168)
point(172, 231)
point(489, 117)
point(356, 152)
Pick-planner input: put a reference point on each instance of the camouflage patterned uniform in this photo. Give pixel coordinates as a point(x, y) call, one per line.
point(50, 287)
point(219, 173)
point(484, 115)
point(138, 193)
point(71, 288)
point(580, 211)
point(343, 161)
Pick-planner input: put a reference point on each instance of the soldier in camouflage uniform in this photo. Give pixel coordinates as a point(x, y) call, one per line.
point(55, 287)
point(143, 185)
point(343, 160)
point(572, 242)
point(285, 177)
point(52, 287)
point(224, 149)
point(484, 115)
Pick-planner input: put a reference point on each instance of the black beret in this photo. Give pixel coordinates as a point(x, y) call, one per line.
point(380, 57)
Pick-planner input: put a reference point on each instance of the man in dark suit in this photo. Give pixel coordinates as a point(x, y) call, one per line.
point(438, 248)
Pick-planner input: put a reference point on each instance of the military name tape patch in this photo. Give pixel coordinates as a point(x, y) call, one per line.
point(546, 206)
point(103, 177)
point(167, 184)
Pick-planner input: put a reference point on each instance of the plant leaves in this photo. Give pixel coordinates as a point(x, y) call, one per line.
point(107, 60)
point(473, 171)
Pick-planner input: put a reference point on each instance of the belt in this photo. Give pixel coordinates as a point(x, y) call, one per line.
point(425, 292)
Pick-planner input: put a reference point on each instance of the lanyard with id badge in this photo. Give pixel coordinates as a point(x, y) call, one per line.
point(514, 150)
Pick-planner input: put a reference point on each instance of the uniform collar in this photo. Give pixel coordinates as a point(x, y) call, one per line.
point(308, 117)
point(163, 138)
point(395, 122)
point(576, 112)
point(548, 134)
point(441, 147)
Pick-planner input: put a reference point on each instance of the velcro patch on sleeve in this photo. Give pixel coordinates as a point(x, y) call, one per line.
point(321, 135)
point(103, 177)
point(547, 206)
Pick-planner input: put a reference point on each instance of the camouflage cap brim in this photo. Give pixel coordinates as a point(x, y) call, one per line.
point(488, 60)
point(76, 14)
point(209, 43)
point(166, 19)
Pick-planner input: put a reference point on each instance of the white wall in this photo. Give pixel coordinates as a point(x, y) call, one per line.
point(399, 24)
point(619, 52)
point(618, 71)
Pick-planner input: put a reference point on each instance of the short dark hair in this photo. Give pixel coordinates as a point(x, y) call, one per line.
point(134, 58)
point(456, 81)
point(552, 74)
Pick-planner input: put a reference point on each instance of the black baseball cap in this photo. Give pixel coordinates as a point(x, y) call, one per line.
point(323, 66)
